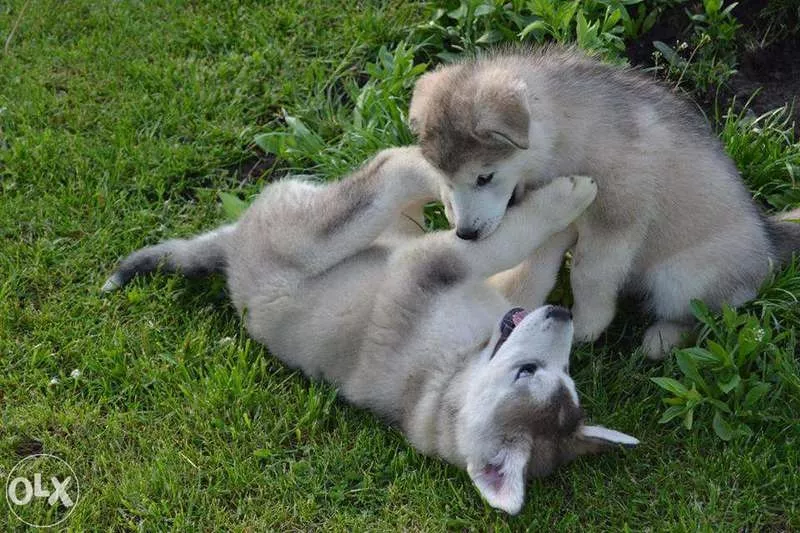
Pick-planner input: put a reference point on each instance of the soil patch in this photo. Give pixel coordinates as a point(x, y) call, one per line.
point(771, 73)
point(253, 167)
point(776, 71)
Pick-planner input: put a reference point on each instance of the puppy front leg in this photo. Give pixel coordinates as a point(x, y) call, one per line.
point(529, 225)
point(600, 266)
point(529, 283)
point(440, 261)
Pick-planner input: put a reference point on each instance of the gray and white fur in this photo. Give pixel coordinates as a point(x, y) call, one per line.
point(339, 281)
point(672, 220)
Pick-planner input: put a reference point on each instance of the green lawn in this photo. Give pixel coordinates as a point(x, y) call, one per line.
point(119, 122)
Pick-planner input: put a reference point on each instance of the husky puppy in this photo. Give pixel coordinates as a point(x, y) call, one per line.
point(338, 281)
point(672, 219)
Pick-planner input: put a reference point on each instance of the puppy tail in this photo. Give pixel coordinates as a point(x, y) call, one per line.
point(784, 231)
point(200, 256)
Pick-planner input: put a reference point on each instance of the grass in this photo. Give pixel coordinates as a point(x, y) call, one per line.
point(119, 123)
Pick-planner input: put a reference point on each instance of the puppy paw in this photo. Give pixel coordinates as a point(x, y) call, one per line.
point(661, 337)
point(571, 194)
point(584, 190)
point(408, 166)
point(590, 321)
point(586, 332)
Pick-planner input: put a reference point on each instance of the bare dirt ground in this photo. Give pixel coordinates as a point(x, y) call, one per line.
point(769, 74)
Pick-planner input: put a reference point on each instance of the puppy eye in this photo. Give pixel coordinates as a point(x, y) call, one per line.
point(484, 179)
point(527, 370)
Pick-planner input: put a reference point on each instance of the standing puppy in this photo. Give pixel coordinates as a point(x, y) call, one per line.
point(337, 282)
point(672, 219)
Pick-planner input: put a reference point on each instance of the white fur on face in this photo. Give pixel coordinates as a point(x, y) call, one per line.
point(539, 340)
point(482, 209)
point(496, 453)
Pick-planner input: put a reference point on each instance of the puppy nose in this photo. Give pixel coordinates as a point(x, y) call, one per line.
point(558, 313)
point(467, 234)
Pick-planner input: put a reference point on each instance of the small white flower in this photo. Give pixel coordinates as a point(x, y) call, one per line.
point(75, 374)
point(54, 381)
point(226, 341)
point(760, 334)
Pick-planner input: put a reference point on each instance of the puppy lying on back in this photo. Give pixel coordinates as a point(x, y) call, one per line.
point(672, 220)
point(339, 281)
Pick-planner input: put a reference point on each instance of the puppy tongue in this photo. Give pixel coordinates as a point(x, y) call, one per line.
point(510, 320)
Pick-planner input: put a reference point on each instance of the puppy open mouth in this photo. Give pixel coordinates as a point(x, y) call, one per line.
point(510, 321)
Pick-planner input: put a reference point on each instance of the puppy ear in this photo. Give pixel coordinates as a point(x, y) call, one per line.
point(598, 439)
point(501, 112)
point(421, 100)
point(502, 482)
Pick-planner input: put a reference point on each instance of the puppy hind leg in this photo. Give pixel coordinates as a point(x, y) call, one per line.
point(198, 256)
point(671, 285)
point(409, 223)
point(343, 218)
point(698, 273)
point(662, 336)
point(665, 334)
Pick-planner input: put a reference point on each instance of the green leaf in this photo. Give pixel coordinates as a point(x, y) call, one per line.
point(582, 29)
point(750, 338)
point(712, 6)
point(721, 427)
point(612, 18)
point(439, 13)
point(689, 369)
point(649, 22)
point(565, 15)
point(305, 138)
point(483, 9)
point(273, 142)
point(699, 308)
point(743, 430)
point(674, 401)
point(755, 394)
point(536, 25)
point(670, 413)
point(727, 10)
point(694, 397)
point(729, 317)
point(459, 13)
point(724, 357)
point(722, 406)
point(263, 453)
point(688, 419)
point(232, 206)
point(729, 385)
point(491, 36)
point(297, 126)
point(701, 355)
point(674, 386)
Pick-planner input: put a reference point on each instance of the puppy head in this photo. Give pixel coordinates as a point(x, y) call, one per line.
point(522, 415)
point(473, 123)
